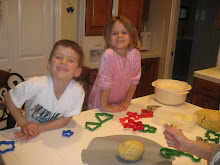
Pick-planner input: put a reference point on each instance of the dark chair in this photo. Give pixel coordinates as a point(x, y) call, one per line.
point(87, 79)
point(8, 81)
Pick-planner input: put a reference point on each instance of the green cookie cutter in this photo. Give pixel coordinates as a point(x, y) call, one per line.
point(109, 116)
point(167, 153)
point(216, 140)
point(149, 129)
point(97, 125)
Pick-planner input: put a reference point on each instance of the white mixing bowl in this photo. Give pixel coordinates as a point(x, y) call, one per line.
point(171, 92)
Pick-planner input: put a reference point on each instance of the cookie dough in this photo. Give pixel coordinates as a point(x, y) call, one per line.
point(131, 150)
point(209, 119)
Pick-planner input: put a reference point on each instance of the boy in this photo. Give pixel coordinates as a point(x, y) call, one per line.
point(50, 100)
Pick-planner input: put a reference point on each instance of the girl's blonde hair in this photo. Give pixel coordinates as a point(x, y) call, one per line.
point(134, 39)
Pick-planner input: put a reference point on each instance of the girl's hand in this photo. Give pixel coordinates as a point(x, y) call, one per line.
point(30, 128)
point(23, 136)
point(114, 108)
point(124, 105)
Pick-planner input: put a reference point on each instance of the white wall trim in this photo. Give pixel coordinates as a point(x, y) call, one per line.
point(171, 43)
point(57, 11)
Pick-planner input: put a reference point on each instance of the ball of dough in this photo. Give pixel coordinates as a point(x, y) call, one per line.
point(131, 150)
point(209, 119)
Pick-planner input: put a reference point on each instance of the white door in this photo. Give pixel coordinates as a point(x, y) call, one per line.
point(28, 32)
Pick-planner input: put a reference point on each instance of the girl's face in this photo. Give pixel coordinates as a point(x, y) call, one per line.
point(120, 38)
point(64, 64)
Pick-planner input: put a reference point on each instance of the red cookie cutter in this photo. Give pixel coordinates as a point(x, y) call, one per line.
point(145, 113)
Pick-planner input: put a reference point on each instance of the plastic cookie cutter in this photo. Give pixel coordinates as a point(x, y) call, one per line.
point(152, 107)
point(167, 153)
point(216, 140)
point(145, 113)
point(7, 143)
point(98, 115)
point(134, 115)
point(149, 129)
point(67, 133)
point(97, 125)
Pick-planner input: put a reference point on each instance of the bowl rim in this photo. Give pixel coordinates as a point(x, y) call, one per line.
point(187, 88)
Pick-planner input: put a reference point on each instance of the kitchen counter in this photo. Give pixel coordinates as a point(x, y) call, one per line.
point(211, 74)
point(150, 54)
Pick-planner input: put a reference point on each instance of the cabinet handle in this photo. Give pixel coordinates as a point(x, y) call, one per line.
point(208, 89)
point(9, 70)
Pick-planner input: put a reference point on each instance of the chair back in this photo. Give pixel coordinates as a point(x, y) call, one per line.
point(8, 81)
point(87, 79)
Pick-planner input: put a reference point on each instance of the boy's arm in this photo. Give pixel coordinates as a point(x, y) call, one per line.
point(30, 128)
point(54, 124)
point(16, 113)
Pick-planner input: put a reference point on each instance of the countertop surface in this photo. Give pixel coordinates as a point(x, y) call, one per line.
point(150, 54)
point(211, 74)
point(51, 148)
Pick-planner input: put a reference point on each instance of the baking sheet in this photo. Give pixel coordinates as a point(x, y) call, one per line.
point(103, 150)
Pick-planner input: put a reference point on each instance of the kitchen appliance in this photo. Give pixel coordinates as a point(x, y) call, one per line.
point(145, 38)
point(171, 92)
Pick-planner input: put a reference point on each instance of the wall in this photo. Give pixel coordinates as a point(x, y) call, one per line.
point(184, 42)
point(206, 37)
point(69, 20)
point(161, 10)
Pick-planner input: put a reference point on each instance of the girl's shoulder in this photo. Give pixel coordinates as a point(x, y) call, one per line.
point(109, 51)
point(135, 50)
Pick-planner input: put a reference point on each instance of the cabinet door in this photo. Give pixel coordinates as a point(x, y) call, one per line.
point(98, 12)
point(146, 10)
point(149, 74)
point(205, 101)
point(27, 32)
point(133, 10)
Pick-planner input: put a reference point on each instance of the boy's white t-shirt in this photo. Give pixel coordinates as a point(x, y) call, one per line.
point(40, 101)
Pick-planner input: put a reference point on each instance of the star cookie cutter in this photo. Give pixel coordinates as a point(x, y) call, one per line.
point(67, 133)
point(216, 140)
point(7, 143)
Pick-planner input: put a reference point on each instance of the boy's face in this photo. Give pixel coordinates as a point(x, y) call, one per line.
point(64, 64)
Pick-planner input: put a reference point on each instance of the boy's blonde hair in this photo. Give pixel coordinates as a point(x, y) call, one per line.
point(69, 44)
point(134, 39)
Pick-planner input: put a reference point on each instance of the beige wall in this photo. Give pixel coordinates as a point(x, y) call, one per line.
point(161, 9)
point(69, 21)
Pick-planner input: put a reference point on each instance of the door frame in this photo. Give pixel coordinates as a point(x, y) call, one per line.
point(57, 14)
point(171, 43)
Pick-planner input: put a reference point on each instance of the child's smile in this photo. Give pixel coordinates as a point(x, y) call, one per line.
point(64, 63)
point(120, 38)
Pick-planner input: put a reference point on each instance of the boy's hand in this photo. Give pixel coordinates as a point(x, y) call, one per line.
point(2, 104)
point(23, 136)
point(30, 128)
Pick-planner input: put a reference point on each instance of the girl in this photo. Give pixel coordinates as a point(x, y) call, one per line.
point(120, 67)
